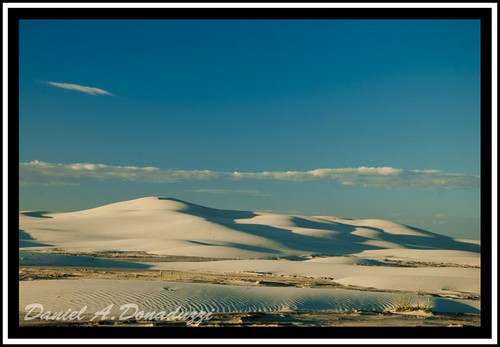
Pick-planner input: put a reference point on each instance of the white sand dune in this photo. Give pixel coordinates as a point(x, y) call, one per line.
point(169, 226)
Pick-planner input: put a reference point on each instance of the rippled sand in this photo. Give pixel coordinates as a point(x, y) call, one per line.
point(62, 295)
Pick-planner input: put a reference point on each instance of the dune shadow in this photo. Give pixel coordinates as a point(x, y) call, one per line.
point(36, 214)
point(443, 305)
point(36, 259)
point(239, 246)
point(202, 211)
point(202, 243)
point(439, 242)
point(332, 226)
point(23, 235)
point(430, 241)
point(26, 240)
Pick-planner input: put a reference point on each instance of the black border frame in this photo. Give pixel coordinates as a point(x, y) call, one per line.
point(482, 14)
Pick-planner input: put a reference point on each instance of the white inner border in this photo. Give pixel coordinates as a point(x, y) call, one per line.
point(5, 230)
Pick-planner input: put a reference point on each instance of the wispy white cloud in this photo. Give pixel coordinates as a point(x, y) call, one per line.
point(228, 191)
point(37, 172)
point(79, 88)
point(387, 177)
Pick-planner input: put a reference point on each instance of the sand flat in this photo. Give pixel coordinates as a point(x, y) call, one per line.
point(423, 279)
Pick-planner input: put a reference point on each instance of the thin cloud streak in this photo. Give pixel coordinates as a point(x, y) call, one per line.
point(79, 88)
point(37, 172)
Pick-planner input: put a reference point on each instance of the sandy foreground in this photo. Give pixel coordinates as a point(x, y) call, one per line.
point(156, 262)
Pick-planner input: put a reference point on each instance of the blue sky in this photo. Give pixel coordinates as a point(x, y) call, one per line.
point(361, 119)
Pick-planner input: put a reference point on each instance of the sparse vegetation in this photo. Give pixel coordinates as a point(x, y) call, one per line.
point(410, 303)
